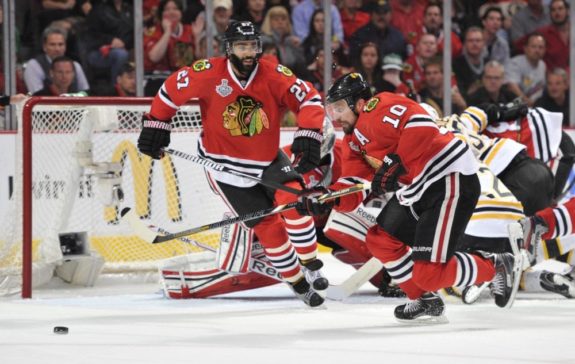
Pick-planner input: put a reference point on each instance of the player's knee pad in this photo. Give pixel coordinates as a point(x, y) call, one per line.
point(271, 231)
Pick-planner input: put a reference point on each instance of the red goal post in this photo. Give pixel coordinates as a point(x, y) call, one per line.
point(76, 155)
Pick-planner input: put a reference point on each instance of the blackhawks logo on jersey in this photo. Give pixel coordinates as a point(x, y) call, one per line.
point(245, 116)
point(201, 65)
point(371, 104)
point(284, 70)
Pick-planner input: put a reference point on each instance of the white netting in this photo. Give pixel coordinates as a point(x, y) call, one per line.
point(73, 190)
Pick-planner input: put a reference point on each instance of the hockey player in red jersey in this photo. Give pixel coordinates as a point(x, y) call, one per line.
point(242, 99)
point(433, 175)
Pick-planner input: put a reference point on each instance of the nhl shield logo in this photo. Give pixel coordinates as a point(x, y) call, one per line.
point(223, 89)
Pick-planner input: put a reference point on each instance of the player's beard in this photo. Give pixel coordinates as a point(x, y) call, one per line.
point(244, 70)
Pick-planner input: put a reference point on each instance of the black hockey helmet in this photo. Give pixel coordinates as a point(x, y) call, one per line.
point(241, 30)
point(350, 87)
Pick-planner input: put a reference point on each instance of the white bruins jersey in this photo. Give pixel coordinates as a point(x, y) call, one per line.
point(495, 153)
point(497, 207)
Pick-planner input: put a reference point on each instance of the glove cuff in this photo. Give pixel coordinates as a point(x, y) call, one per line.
point(156, 124)
point(309, 133)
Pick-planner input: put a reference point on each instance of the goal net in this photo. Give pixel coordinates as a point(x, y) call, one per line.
point(85, 168)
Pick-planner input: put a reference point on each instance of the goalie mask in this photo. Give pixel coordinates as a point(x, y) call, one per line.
point(243, 46)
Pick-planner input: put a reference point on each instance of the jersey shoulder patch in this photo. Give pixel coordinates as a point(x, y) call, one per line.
point(284, 70)
point(201, 65)
point(371, 104)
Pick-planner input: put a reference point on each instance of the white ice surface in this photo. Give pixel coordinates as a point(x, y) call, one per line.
point(136, 324)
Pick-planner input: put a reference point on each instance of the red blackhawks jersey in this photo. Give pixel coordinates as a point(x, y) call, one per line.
point(391, 123)
point(540, 131)
point(241, 122)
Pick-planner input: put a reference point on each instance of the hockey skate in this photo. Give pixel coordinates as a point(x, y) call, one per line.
point(505, 284)
point(312, 271)
point(533, 227)
point(305, 292)
point(427, 309)
point(557, 283)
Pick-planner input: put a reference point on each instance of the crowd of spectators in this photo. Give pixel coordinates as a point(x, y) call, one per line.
point(501, 49)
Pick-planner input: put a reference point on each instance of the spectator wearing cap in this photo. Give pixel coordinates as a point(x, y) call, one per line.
point(392, 68)
point(556, 95)
point(369, 66)
point(387, 38)
point(222, 16)
point(433, 24)
point(525, 73)
point(301, 16)
point(352, 18)
point(125, 85)
point(492, 89)
point(497, 47)
point(468, 67)
point(408, 19)
point(433, 94)
point(168, 46)
point(109, 36)
point(37, 70)
point(425, 49)
point(529, 18)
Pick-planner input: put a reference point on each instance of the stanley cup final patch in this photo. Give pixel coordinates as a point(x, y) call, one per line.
point(223, 89)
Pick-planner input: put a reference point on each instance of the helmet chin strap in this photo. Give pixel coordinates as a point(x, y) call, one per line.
point(245, 72)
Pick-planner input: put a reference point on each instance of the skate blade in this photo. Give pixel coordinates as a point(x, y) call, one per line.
point(517, 269)
point(425, 320)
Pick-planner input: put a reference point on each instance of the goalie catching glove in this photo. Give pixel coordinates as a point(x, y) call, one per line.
point(387, 176)
point(306, 148)
point(154, 136)
point(308, 204)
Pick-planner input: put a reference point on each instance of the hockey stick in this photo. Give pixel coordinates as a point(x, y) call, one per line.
point(355, 281)
point(152, 237)
point(258, 266)
point(221, 168)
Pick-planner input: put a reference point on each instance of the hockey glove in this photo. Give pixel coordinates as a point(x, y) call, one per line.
point(387, 176)
point(504, 112)
point(154, 136)
point(512, 111)
point(308, 205)
point(306, 148)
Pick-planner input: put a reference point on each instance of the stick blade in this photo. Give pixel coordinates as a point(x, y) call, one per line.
point(138, 226)
point(355, 281)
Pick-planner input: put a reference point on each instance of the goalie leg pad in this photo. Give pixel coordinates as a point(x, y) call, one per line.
point(235, 248)
point(198, 276)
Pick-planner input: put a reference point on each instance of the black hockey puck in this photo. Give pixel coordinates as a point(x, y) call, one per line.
point(62, 330)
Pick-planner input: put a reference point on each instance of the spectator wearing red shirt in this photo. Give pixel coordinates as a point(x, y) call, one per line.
point(351, 17)
point(557, 36)
point(425, 49)
point(433, 24)
point(168, 45)
point(408, 18)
